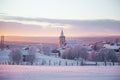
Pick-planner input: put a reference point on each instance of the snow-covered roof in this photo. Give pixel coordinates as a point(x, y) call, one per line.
point(111, 46)
point(24, 52)
point(88, 47)
point(62, 51)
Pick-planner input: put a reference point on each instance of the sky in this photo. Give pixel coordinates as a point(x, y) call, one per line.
point(48, 17)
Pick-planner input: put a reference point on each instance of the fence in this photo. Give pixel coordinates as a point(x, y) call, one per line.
point(50, 62)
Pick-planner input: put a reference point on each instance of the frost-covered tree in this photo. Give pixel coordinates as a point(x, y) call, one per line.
point(107, 55)
point(31, 56)
point(91, 56)
point(76, 52)
point(97, 46)
point(83, 53)
point(118, 58)
point(112, 56)
point(46, 49)
point(65, 54)
point(71, 53)
point(16, 56)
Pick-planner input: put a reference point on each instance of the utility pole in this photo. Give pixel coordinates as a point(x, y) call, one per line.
point(2, 42)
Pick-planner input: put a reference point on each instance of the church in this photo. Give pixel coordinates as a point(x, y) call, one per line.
point(62, 41)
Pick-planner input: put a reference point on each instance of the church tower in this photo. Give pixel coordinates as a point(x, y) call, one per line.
point(62, 40)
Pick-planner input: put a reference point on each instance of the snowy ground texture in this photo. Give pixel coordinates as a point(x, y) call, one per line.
point(22, 72)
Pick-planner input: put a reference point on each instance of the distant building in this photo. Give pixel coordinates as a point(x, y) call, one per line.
point(62, 40)
point(2, 43)
point(73, 43)
point(115, 45)
point(58, 52)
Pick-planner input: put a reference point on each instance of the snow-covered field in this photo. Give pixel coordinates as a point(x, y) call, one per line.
point(18, 72)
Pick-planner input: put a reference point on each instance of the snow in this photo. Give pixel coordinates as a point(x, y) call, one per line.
point(18, 72)
point(54, 61)
point(24, 52)
point(4, 56)
point(111, 47)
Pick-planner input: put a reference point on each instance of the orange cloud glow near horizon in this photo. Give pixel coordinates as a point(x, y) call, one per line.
point(42, 27)
point(46, 18)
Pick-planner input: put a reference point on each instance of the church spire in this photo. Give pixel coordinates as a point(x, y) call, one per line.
point(62, 39)
point(62, 34)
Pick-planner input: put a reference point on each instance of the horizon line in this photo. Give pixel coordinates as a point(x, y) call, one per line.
point(58, 36)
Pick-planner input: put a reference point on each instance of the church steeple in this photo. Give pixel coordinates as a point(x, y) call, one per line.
point(62, 39)
point(62, 34)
